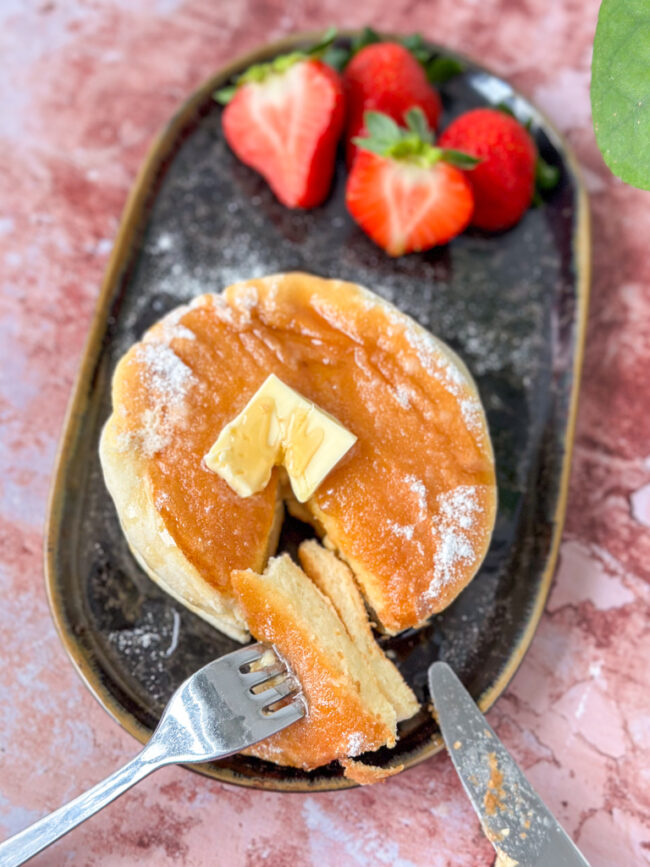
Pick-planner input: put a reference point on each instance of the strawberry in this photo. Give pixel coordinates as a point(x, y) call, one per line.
point(402, 190)
point(504, 181)
point(386, 77)
point(284, 119)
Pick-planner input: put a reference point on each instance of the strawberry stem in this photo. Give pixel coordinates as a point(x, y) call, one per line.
point(259, 72)
point(412, 144)
point(438, 67)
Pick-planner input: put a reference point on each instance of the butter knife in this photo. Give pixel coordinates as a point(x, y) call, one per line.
point(521, 828)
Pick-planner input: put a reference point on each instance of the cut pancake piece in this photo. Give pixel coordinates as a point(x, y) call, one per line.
point(335, 580)
point(347, 712)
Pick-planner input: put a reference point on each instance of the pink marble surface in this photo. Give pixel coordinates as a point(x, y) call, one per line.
point(85, 85)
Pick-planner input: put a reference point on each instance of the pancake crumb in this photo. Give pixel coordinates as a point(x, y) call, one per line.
point(365, 775)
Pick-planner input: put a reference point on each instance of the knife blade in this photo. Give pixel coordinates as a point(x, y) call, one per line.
point(515, 819)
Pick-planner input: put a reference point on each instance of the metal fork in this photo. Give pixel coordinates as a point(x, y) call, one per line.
point(221, 709)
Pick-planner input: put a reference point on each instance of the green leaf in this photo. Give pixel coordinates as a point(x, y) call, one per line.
point(506, 109)
point(459, 158)
point(368, 36)
point(337, 57)
point(381, 126)
point(225, 94)
point(620, 89)
point(441, 69)
point(418, 49)
point(413, 41)
point(546, 176)
point(413, 144)
point(369, 144)
point(323, 43)
point(417, 123)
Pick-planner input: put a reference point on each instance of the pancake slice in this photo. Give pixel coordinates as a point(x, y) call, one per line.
point(334, 579)
point(347, 711)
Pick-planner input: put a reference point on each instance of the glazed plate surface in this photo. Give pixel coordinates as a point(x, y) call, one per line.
point(512, 305)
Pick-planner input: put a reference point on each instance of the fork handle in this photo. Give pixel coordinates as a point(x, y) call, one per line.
point(24, 845)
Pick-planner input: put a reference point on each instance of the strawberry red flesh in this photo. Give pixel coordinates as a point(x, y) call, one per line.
point(402, 191)
point(405, 208)
point(503, 183)
point(386, 77)
point(286, 127)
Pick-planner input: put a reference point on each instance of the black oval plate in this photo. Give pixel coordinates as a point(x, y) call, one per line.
point(512, 305)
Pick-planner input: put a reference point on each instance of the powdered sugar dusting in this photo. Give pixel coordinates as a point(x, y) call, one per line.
point(403, 530)
point(168, 379)
point(418, 487)
point(179, 331)
point(356, 743)
point(403, 396)
point(458, 509)
point(246, 298)
point(472, 413)
point(164, 372)
point(434, 359)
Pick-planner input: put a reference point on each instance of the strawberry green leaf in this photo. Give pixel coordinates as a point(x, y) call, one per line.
point(417, 123)
point(458, 158)
point(337, 57)
point(326, 40)
point(381, 126)
point(225, 94)
point(369, 144)
point(620, 89)
point(413, 144)
point(441, 69)
point(417, 47)
point(546, 176)
point(506, 109)
point(368, 36)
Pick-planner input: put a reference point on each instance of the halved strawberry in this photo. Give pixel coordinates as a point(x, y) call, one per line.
point(404, 192)
point(386, 77)
point(284, 120)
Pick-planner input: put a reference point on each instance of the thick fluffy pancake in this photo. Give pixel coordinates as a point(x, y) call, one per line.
point(347, 712)
point(410, 507)
point(334, 579)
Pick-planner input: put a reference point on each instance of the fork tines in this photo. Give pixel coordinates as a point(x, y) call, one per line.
point(255, 676)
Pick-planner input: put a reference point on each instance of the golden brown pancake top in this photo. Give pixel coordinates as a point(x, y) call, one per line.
point(410, 506)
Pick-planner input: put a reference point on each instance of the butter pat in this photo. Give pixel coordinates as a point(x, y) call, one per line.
point(277, 427)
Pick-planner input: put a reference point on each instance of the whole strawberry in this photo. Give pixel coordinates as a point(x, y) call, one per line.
point(404, 192)
point(504, 181)
point(284, 119)
point(386, 77)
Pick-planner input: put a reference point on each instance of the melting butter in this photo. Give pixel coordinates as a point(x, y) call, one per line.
point(277, 427)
